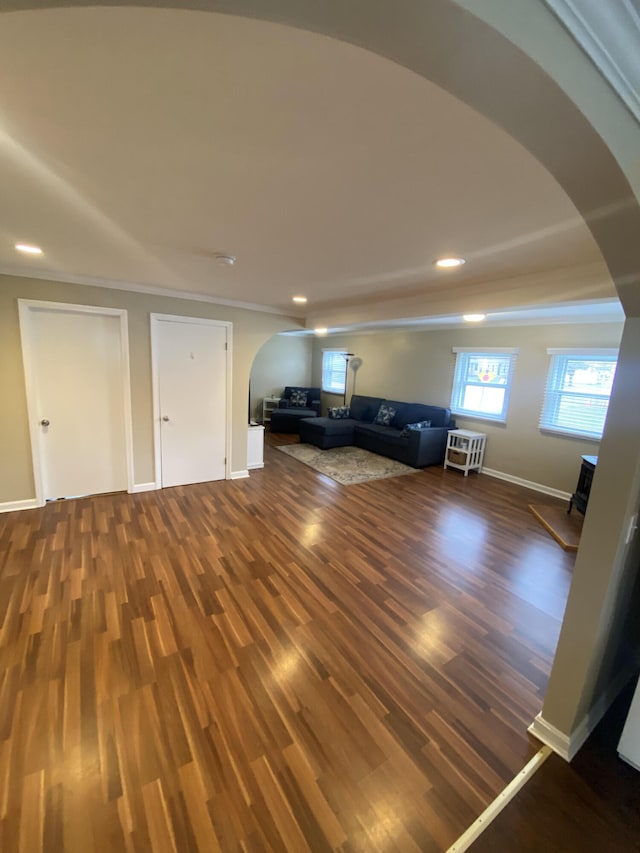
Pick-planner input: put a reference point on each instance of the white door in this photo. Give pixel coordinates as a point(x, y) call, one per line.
point(75, 369)
point(190, 363)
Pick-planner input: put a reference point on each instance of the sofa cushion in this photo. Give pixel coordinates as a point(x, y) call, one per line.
point(326, 432)
point(298, 399)
point(288, 420)
point(339, 412)
point(313, 397)
point(364, 408)
point(297, 411)
point(381, 435)
point(385, 415)
point(438, 415)
point(332, 426)
point(400, 417)
point(407, 428)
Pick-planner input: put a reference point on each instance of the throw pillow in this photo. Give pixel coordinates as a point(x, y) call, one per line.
point(298, 399)
point(339, 412)
point(385, 415)
point(420, 425)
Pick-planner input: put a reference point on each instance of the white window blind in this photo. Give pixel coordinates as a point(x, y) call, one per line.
point(577, 393)
point(482, 382)
point(334, 371)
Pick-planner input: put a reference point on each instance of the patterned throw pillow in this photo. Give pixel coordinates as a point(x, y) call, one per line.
point(339, 412)
point(298, 399)
point(385, 415)
point(420, 425)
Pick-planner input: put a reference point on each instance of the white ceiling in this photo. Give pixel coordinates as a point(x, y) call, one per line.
point(137, 143)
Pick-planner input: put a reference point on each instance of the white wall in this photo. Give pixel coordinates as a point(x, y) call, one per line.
point(283, 360)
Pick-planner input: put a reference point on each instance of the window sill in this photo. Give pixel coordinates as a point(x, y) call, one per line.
point(472, 416)
point(565, 433)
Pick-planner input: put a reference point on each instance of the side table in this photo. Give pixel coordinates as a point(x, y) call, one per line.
point(465, 450)
point(268, 406)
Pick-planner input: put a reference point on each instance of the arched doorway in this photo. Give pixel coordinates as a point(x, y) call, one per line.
point(586, 140)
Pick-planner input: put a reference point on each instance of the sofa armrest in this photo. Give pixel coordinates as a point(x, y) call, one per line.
point(427, 446)
point(284, 403)
point(315, 405)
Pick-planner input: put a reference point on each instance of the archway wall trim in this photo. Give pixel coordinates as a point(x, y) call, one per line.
point(515, 64)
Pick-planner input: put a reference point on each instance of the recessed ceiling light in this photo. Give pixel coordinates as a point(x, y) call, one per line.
point(449, 263)
point(321, 331)
point(300, 299)
point(474, 318)
point(225, 260)
point(28, 249)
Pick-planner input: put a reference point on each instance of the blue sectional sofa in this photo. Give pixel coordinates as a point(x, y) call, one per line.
point(402, 438)
point(296, 403)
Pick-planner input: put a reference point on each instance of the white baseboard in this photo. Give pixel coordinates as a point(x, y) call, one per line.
point(239, 475)
point(256, 466)
point(558, 741)
point(142, 487)
point(528, 484)
point(15, 506)
point(567, 746)
point(629, 761)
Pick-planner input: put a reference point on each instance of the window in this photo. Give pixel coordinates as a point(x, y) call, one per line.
point(482, 382)
point(334, 371)
point(576, 398)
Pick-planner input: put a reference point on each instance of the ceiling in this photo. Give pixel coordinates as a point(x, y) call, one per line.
point(139, 143)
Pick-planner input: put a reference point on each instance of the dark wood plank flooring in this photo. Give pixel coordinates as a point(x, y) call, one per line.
point(277, 663)
point(591, 805)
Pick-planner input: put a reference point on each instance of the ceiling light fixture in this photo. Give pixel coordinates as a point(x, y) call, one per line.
point(474, 318)
point(225, 260)
point(300, 299)
point(28, 249)
point(320, 331)
point(448, 263)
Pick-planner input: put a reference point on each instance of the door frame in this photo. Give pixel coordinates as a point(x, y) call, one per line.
point(25, 309)
point(155, 319)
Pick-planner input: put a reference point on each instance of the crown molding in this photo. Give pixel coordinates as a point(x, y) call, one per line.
point(134, 287)
point(609, 33)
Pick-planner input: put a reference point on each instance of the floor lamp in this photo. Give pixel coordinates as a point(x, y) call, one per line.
point(356, 364)
point(346, 356)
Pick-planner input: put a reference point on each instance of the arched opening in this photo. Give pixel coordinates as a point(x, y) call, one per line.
point(485, 69)
point(285, 359)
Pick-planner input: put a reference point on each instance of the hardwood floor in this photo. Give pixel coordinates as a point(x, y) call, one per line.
point(591, 805)
point(278, 663)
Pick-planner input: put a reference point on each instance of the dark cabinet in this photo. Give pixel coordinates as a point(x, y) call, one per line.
point(580, 497)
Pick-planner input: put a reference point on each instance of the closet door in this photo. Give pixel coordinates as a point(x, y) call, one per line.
point(190, 384)
point(77, 385)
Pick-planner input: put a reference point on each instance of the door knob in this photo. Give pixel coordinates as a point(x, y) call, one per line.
point(44, 422)
point(165, 417)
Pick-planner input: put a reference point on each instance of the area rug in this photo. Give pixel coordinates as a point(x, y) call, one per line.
point(564, 527)
point(347, 465)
